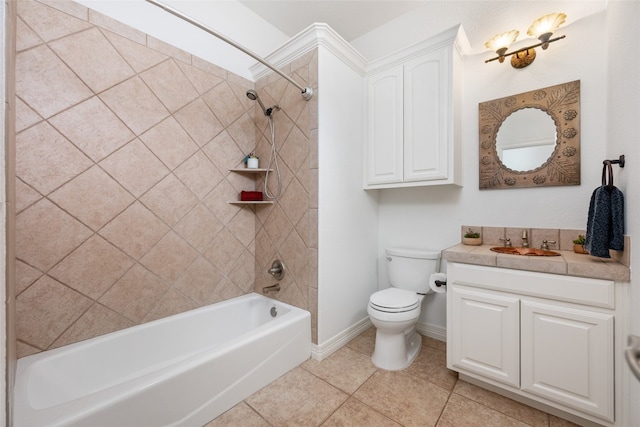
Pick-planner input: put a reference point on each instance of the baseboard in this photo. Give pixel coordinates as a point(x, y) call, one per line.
point(324, 350)
point(432, 331)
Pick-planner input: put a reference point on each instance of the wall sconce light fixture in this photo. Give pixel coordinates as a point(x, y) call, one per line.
point(542, 29)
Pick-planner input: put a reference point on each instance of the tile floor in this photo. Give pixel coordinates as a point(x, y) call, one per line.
point(346, 389)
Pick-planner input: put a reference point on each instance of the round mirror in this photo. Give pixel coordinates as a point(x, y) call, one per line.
point(531, 139)
point(526, 139)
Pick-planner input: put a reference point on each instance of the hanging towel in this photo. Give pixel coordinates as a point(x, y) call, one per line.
point(605, 221)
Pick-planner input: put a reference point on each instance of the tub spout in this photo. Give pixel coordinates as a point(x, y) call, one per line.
point(272, 288)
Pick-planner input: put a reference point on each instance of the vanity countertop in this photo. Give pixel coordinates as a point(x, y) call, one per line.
point(569, 262)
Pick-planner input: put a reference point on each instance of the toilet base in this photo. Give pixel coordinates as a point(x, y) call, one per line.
point(396, 351)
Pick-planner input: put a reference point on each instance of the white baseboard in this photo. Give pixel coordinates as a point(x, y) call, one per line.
point(432, 331)
point(324, 350)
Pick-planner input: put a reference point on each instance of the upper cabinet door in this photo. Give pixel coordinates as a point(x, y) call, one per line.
point(426, 110)
point(385, 127)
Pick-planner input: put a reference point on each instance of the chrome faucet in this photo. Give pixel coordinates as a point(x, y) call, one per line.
point(525, 239)
point(545, 244)
point(507, 242)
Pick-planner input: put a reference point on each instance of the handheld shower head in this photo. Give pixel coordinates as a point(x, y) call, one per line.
point(253, 95)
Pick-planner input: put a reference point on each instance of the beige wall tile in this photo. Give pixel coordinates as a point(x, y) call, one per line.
point(100, 66)
point(45, 159)
point(45, 83)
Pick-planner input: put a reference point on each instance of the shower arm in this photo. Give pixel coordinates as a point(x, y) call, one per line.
point(306, 92)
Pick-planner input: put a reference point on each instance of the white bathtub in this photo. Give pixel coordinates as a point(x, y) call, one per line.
point(182, 370)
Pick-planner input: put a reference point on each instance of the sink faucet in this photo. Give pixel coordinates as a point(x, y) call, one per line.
point(525, 239)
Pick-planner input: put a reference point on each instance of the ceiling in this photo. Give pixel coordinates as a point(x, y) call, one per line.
point(480, 19)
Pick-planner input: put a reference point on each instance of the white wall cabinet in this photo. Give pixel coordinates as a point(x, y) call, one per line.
point(412, 120)
point(554, 347)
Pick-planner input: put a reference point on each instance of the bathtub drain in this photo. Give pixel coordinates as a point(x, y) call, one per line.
point(274, 311)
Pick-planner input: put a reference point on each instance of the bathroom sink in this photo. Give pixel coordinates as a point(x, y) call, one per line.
point(524, 251)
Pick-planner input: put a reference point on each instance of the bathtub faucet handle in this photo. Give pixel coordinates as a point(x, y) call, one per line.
point(277, 270)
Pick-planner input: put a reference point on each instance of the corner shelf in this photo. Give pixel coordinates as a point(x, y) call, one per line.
point(247, 170)
point(249, 202)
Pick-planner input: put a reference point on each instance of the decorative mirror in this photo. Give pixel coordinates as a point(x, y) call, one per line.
point(531, 139)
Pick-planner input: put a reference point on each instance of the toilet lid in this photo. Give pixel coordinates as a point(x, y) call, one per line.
point(394, 300)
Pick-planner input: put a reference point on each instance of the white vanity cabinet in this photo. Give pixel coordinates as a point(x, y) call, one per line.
point(411, 116)
point(546, 337)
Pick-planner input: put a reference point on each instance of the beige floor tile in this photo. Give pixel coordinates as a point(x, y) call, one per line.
point(298, 398)
point(461, 411)
point(365, 342)
point(346, 369)
point(356, 413)
point(407, 399)
point(430, 365)
point(239, 415)
point(509, 407)
point(559, 422)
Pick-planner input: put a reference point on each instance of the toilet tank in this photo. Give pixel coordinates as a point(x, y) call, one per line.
point(410, 268)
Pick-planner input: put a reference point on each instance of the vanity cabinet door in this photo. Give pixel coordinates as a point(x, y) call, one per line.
point(385, 127)
point(567, 356)
point(483, 334)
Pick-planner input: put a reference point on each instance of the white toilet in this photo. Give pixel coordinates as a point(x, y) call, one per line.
point(394, 311)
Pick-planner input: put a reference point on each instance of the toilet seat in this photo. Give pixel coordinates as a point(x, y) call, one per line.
point(394, 300)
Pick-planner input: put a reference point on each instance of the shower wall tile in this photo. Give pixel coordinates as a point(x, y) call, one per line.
point(170, 199)
point(168, 49)
point(201, 80)
point(98, 137)
point(46, 234)
point(138, 56)
point(45, 159)
point(224, 103)
point(26, 38)
point(135, 231)
point(169, 142)
point(135, 104)
point(68, 6)
point(48, 23)
point(199, 175)
point(100, 67)
point(45, 83)
point(25, 116)
point(135, 167)
point(93, 267)
point(106, 23)
point(199, 227)
point(97, 320)
point(46, 309)
point(170, 84)
point(201, 124)
point(25, 196)
point(123, 154)
point(92, 208)
point(135, 294)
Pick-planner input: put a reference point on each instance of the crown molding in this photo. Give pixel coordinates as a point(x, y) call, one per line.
point(314, 36)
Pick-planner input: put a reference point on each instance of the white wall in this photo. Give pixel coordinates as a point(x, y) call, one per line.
point(347, 220)
point(431, 217)
point(622, 136)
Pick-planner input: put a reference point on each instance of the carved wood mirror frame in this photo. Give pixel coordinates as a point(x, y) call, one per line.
point(562, 103)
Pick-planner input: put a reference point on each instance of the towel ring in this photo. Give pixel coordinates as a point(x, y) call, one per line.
point(605, 167)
